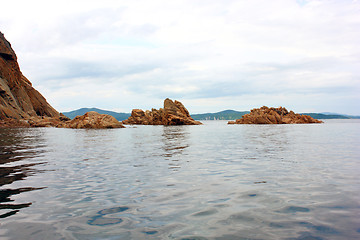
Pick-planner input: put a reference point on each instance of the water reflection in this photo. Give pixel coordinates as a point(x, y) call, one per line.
point(14, 167)
point(175, 140)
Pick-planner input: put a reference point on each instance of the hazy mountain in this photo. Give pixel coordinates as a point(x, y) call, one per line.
point(82, 111)
point(232, 115)
point(223, 115)
point(327, 116)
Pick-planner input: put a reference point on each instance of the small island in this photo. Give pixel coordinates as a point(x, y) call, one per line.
point(173, 113)
point(280, 115)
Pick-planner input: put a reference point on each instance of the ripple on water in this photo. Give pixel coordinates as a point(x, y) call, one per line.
point(294, 209)
point(100, 220)
point(205, 213)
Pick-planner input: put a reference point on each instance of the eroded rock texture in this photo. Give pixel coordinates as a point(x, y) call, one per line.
point(280, 115)
point(173, 113)
point(22, 106)
point(94, 120)
point(18, 99)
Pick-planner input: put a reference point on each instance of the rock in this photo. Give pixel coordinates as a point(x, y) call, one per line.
point(63, 117)
point(173, 113)
point(265, 115)
point(93, 120)
point(22, 106)
point(18, 99)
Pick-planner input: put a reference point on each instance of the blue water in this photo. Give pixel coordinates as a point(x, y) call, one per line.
point(214, 181)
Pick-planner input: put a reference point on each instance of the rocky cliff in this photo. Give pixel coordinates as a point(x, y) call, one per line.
point(281, 115)
point(18, 99)
point(22, 106)
point(173, 113)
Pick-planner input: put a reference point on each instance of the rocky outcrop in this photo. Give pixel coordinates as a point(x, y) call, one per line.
point(173, 113)
point(93, 120)
point(18, 99)
point(22, 106)
point(265, 115)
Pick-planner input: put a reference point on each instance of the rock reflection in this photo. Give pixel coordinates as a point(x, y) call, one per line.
point(175, 140)
point(12, 152)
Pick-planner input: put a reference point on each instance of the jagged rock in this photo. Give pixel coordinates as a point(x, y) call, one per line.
point(93, 120)
point(265, 115)
point(173, 113)
point(18, 99)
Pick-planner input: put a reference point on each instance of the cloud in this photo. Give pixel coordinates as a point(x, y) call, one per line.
point(115, 54)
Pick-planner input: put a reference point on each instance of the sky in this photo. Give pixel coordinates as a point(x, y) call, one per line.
point(210, 55)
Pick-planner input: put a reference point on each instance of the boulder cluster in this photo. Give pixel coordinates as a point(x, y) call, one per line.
point(173, 113)
point(280, 115)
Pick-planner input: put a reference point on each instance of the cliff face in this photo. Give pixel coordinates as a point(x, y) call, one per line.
point(18, 99)
point(280, 115)
point(173, 113)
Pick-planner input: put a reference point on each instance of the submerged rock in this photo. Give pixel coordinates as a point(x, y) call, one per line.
point(173, 113)
point(93, 120)
point(280, 115)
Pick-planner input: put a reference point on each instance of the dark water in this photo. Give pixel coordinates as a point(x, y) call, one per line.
point(214, 181)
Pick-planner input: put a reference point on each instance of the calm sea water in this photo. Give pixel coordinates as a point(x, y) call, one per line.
point(214, 181)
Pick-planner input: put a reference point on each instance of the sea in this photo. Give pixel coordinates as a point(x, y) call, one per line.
point(213, 181)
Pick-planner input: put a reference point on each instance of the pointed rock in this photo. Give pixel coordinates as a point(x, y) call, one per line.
point(173, 113)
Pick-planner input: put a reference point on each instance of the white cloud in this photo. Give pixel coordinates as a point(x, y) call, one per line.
point(114, 54)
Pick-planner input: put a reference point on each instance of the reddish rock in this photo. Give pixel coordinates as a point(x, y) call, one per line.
point(18, 99)
point(265, 115)
point(22, 106)
point(173, 113)
point(93, 120)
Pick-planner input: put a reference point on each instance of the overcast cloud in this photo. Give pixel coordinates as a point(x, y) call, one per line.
point(211, 55)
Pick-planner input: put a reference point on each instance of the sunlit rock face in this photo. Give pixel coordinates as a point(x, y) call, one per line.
point(93, 120)
point(280, 115)
point(173, 113)
point(22, 106)
point(18, 99)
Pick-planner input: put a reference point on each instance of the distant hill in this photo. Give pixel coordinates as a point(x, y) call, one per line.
point(232, 115)
point(327, 116)
point(82, 111)
point(223, 115)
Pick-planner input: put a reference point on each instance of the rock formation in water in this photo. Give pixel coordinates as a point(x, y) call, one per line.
point(280, 115)
point(22, 106)
point(173, 113)
point(94, 120)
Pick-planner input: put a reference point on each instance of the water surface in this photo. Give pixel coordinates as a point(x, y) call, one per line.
point(214, 181)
